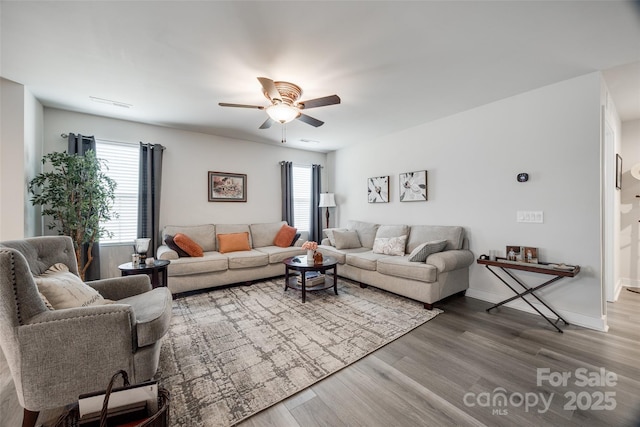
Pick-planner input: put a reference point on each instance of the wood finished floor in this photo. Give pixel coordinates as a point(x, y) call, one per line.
point(422, 378)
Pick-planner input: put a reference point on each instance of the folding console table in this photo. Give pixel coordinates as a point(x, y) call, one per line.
point(558, 271)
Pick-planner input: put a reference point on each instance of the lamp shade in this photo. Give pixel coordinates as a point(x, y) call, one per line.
point(282, 113)
point(327, 200)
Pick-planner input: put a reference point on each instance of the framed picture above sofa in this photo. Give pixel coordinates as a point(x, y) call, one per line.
point(227, 187)
point(378, 189)
point(413, 186)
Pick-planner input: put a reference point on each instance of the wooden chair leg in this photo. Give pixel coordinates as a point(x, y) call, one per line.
point(29, 418)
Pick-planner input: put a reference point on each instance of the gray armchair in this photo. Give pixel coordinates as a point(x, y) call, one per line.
point(56, 355)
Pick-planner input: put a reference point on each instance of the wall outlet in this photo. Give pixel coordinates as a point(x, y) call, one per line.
point(530, 216)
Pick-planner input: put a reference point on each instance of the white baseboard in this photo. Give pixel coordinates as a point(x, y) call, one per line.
point(631, 283)
point(598, 324)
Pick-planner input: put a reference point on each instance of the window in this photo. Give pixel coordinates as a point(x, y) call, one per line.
point(122, 161)
point(302, 197)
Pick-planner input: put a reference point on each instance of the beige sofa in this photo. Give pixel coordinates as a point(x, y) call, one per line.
point(216, 269)
point(442, 274)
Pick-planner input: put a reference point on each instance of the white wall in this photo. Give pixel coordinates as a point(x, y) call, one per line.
point(472, 158)
point(33, 118)
point(630, 206)
point(20, 136)
point(187, 159)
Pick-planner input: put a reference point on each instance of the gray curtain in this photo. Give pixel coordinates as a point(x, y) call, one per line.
point(80, 144)
point(286, 182)
point(149, 194)
point(315, 228)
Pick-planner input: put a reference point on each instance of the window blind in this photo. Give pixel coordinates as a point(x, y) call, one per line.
point(302, 197)
point(122, 160)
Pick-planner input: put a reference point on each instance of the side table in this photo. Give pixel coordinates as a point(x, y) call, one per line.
point(157, 271)
point(541, 268)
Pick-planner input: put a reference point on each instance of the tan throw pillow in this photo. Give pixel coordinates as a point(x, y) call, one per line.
point(346, 239)
point(330, 234)
point(233, 242)
point(285, 236)
point(420, 253)
point(64, 289)
point(390, 245)
point(188, 245)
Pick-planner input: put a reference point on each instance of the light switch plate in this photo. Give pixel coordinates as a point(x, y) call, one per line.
point(536, 217)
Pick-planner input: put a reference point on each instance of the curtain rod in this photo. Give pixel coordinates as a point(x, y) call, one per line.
point(298, 164)
point(65, 136)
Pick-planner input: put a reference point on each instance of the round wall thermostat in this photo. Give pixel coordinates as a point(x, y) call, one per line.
point(523, 177)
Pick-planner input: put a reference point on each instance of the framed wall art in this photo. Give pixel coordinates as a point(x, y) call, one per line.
point(378, 189)
point(413, 186)
point(227, 187)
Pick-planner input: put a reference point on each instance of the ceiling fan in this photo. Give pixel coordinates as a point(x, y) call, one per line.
point(285, 106)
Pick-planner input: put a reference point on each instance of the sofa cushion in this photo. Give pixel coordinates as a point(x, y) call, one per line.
point(346, 239)
point(365, 260)
point(63, 289)
point(234, 228)
point(204, 235)
point(264, 234)
point(233, 242)
point(386, 231)
point(340, 254)
point(247, 259)
point(285, 236)
point(173, 246)
point(210, 262)
point(153, 314)
point(329, 232)
point(185, 243)
point(401, 267)
point(390, 245)
point(366, 232)
point(454, 235)
point(277, 254)
point(420, 253)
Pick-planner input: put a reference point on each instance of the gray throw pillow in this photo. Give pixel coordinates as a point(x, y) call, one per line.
point(346, 239)
point(421, 253)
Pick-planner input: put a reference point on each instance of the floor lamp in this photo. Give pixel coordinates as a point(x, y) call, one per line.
point(327, 200)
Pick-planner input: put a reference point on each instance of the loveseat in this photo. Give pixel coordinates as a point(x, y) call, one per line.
point(424, 262)
point(260, 259)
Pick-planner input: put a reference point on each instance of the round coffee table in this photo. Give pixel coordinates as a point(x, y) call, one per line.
point(155, 270)
point(299, 263)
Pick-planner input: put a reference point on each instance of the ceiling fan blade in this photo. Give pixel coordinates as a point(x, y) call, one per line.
point(310, 120)
point(319, 102)
point(225, 104)
point(267, 123)
point(270, 88)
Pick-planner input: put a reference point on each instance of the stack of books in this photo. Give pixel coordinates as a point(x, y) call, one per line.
point(312, 278)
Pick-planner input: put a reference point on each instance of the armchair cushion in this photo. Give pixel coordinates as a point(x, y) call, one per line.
point(153, 314)
point(64, 289)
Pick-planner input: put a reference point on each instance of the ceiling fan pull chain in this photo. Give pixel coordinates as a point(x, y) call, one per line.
point(284, 134)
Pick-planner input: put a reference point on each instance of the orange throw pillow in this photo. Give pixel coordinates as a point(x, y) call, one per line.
point(233, 242)
point(285, 236)
point(185, 243)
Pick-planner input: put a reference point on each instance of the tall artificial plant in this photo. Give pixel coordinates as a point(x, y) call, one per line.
point(77, 196)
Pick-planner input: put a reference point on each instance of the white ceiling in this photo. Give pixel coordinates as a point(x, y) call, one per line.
point(394, 64)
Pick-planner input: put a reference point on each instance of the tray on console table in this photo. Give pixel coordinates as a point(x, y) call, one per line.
point(542, 267)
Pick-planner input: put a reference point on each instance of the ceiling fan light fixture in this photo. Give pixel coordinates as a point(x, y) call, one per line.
point(282, 113)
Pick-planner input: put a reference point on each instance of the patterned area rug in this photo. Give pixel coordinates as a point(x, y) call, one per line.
point(233, 352)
